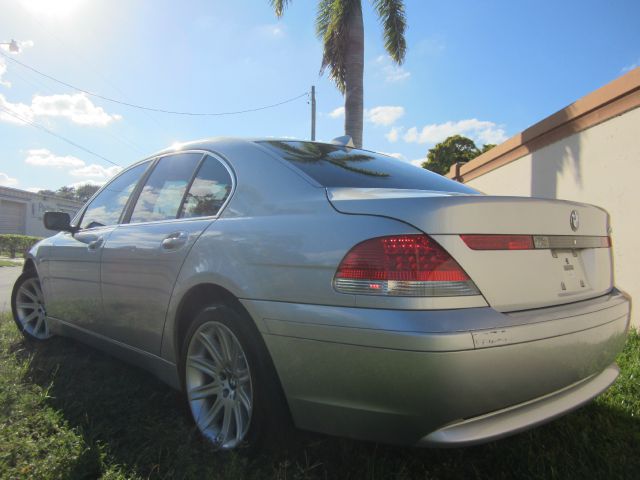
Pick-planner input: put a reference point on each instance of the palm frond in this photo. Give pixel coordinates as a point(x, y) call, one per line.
point(332, 21)
point(279, 6)
point(394, 24)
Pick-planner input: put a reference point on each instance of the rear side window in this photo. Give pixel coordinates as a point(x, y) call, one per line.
point(161, 196)
point(338, 166)
point(209, 190)
point(107, 207)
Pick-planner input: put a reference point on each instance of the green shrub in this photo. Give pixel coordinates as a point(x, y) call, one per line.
point(12, 244)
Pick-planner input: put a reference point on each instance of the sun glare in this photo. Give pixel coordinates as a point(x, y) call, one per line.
point(52, 8)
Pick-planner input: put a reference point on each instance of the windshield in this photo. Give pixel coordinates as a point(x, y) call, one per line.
point(339, 166)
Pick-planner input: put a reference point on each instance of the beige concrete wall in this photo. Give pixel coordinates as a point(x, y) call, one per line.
point(599, 165)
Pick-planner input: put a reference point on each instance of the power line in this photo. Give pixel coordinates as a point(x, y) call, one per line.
point(50, 132)
point(151, 109)
point(121, 139)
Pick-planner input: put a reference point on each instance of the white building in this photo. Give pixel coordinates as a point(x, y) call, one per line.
point(589, 152)
point(21, 212)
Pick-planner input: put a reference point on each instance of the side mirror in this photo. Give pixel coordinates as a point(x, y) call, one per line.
point(58, 221)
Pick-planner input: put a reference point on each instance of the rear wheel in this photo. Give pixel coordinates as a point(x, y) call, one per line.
point(228, 379)
point(27, 304)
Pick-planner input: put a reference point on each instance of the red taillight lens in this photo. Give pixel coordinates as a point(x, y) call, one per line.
point(407, 265)
point(499, 242)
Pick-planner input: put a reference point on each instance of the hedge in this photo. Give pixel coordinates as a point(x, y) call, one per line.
point(12, 244)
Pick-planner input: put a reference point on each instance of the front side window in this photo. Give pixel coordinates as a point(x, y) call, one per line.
point(107, 207)
point(209, 190)
point(162, 193)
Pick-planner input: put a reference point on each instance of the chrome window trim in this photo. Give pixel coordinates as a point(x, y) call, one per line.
point(216, 156)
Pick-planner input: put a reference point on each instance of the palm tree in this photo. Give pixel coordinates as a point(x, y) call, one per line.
point(339, 25)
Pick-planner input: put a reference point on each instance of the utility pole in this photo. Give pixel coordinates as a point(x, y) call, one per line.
point(313, 113)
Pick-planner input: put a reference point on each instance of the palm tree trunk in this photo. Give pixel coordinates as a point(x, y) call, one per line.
point(354, 92)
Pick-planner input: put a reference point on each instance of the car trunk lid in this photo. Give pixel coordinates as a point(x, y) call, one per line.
point(565, 265)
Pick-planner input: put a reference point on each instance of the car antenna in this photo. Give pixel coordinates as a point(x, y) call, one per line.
point(344, 140)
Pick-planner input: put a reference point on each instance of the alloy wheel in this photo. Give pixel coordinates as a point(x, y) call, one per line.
point(218, 383)
point(30, 309)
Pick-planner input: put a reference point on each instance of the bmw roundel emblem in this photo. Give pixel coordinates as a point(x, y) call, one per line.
point(574, 220)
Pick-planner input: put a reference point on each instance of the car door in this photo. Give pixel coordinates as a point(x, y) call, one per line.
point(74, 259)
point(142, 258)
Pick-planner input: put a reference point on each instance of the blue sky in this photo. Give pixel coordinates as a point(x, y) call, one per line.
point(484, 69)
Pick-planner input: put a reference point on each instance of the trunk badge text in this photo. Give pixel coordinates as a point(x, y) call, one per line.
point(574, 220)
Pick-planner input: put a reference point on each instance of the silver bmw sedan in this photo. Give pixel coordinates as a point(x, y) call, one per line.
point(342, 289)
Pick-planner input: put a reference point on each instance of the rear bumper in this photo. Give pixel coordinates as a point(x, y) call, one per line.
point(440, 378)
point(508, 421)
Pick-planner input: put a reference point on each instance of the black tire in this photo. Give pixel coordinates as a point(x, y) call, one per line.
point(31, 330)
point(269, 419)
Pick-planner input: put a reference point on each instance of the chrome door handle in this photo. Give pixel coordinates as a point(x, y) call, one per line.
point(175, 240)
point(95, 244)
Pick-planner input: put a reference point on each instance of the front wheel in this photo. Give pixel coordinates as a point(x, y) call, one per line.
point(27, 305)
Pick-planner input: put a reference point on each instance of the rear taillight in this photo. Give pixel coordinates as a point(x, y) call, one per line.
point(402, 265)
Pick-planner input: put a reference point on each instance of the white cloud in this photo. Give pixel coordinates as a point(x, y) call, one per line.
point(392, 72)
point(20, 110)
point(626, 69)
point(44, 158)
point(337, 113)
point(87, 182)
point(417, 162)
point(384, 115)
point(3, 70)
point(34, 189)
point(95, 171)
point(7, 181)
point(479, 130)
point(77, 107)
point(276, 30)
point(394, 134)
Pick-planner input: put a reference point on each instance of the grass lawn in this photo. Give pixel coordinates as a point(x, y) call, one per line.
point(67, 411)
point(8, 263)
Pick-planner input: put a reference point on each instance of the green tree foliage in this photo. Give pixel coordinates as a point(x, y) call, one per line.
point(86, 191)
point(456, 148)
point(340, 27)
point(11, 245)
point(81, 193)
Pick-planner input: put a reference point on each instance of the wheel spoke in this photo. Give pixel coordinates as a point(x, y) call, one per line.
point(226, 422)
point(212, 413)
point(225, 345)
point(39, 325)
point(24, 291)
point(203, 365)
point(211, 348)
point(239, 421)
point(38, 291)
point(29, 318)
point(206, 390)
point(31, 306)
point(244, 399)
point(243, 377)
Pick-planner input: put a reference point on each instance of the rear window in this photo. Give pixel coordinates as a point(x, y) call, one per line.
point(338, 166)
